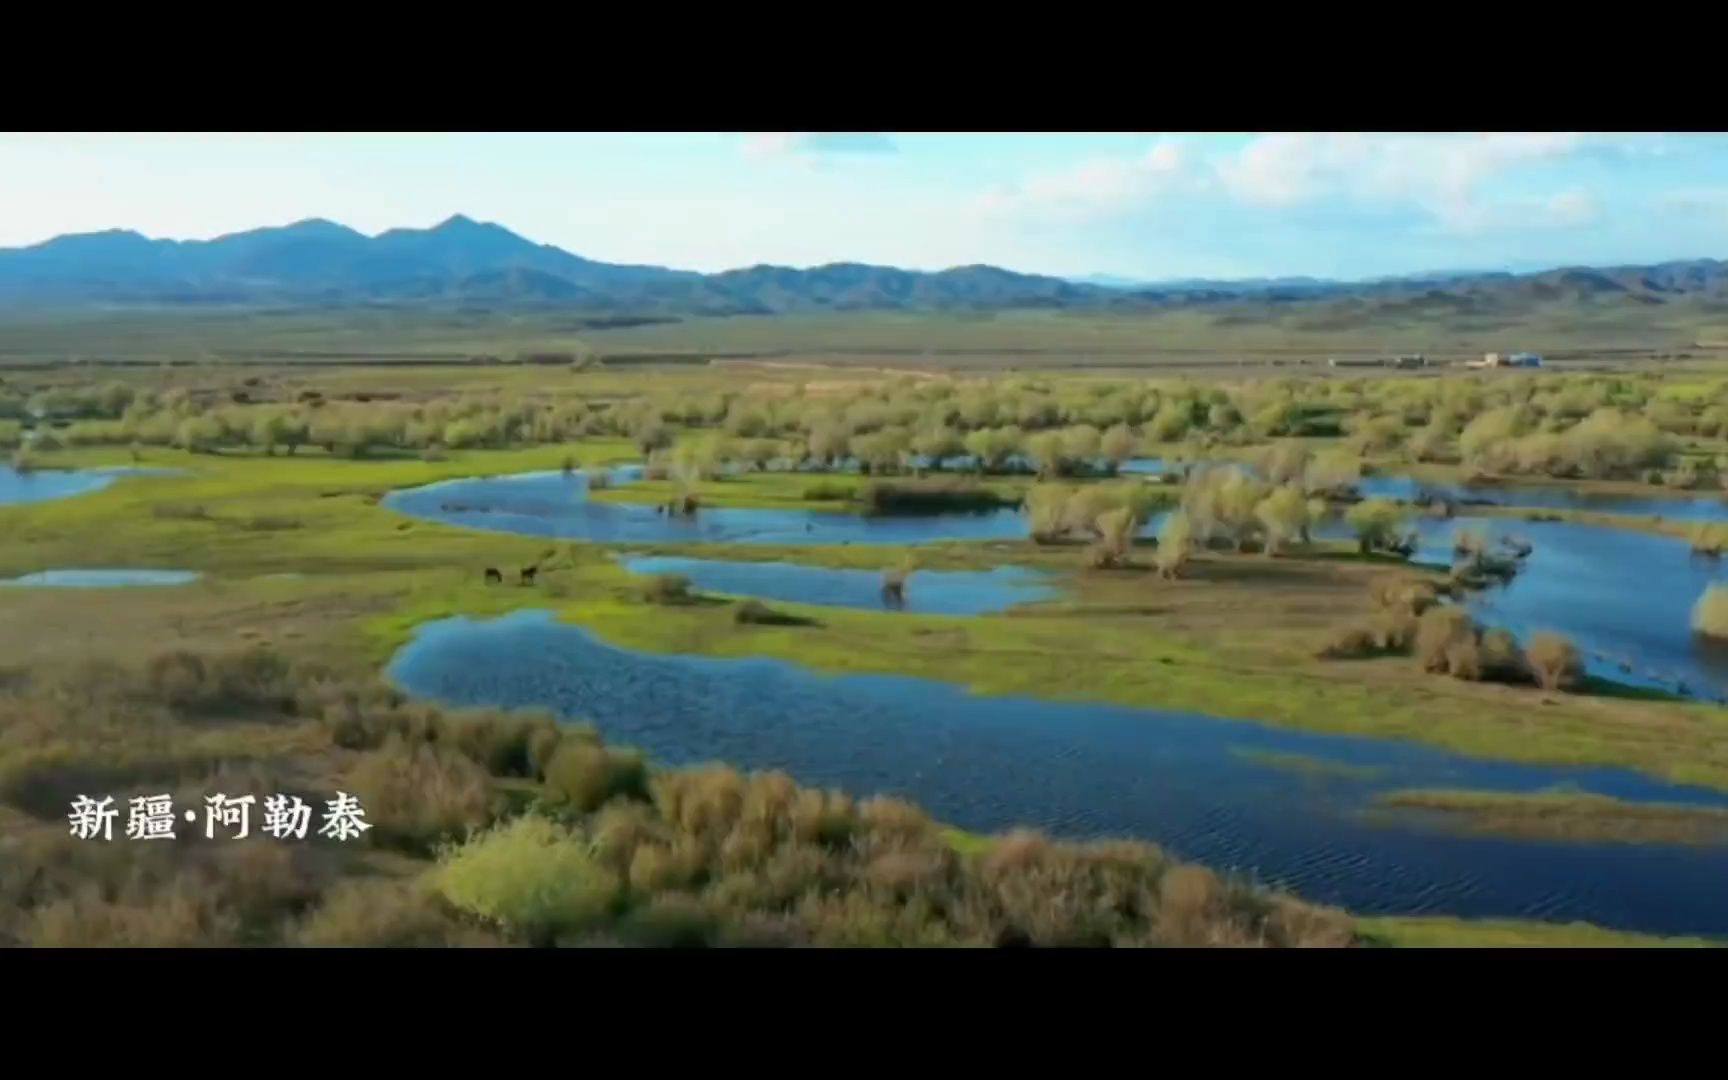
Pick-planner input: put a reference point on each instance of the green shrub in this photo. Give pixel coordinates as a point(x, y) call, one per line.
point(531, 877)
point(373, 913)
point(1377, 523)
point(416, 795)
point(668, 589)
point(222, 683)
point(931, 496)
point(671, 921)
point(1502, 660)
point(588, 776)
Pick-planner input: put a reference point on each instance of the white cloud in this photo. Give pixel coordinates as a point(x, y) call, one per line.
point(817, 142)
point(1093, 188)
point(1441, 174)
point(1444, 176)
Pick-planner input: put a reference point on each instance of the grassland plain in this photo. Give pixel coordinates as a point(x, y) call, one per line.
point(1211, 338)
point(296, 553)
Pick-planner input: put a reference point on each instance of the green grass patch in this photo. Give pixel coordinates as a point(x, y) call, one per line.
point(1443, 932)
point(1561, 814)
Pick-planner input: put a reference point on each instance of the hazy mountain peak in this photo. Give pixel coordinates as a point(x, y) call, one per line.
point(462, 223)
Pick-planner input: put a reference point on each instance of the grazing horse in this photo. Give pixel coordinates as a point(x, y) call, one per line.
point(493, 576)
point(528, 574)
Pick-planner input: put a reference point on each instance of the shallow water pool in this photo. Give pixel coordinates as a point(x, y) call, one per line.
point(38, 484)
point(102, 578)
point(940, 592)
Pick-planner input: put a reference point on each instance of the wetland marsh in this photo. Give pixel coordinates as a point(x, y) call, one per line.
point(1058, 655)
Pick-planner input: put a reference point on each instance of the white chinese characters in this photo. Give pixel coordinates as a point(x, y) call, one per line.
point(93, 817)
point(229, 813)
point(285, 816)
point(152, 817)
point(344, 818)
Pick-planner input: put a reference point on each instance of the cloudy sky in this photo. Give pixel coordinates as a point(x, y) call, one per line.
point(1143, 205)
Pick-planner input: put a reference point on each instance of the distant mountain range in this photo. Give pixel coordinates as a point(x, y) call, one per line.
point(462, 262)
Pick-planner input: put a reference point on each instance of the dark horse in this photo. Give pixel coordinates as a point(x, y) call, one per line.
point(492, 575)
point(528, 574)
point(894, 595)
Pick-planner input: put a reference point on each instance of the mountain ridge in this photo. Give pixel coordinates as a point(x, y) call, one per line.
point(464, 261)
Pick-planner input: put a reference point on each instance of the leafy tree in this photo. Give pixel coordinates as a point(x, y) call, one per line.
point(1284, 517)
point(1174, 538)
point(1377, 523)
point(1118, 444)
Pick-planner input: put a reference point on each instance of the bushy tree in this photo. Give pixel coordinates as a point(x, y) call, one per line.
point(937, 443)
point(1080, 444)
point(268, 431)
point(1169, 425)
point(1116, 529)
point(1333, 473)
point(1045, 508)
point(1174, 538)
point(1377, 523)
point(1118, 444)
point(1287, 461)
point(1047, 453)
point(198, 434)
point(826, 442)
point(1284, 516)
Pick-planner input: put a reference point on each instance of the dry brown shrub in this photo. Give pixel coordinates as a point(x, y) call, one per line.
point(1554, 661)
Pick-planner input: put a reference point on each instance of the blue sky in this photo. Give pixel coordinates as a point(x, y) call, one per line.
point(1145, 205)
